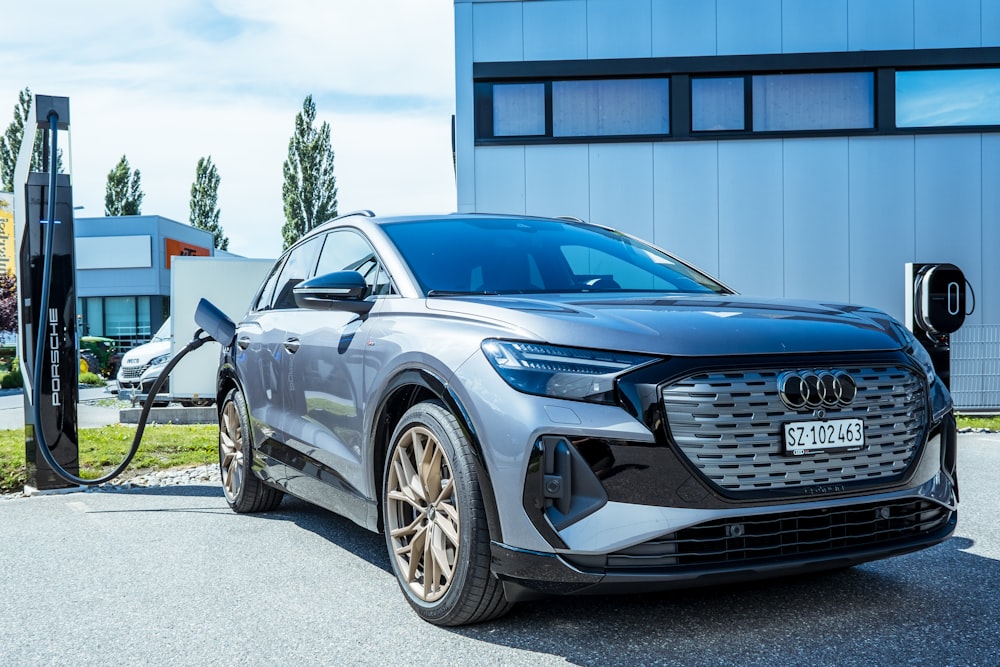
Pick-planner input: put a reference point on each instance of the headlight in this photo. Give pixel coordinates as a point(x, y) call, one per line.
point(162, 359)
point(561, 372)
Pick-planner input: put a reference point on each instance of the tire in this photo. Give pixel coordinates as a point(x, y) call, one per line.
point(244, 491)
point(444, 532)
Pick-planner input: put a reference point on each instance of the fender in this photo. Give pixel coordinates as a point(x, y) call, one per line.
point(404, 390)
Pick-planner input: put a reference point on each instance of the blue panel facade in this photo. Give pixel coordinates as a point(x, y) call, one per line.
point(683, 28)
point(500, 180)
point(944, 24)
point(621, 187)
point(555, 30)
point(815, 215)
point(686, 201)
point(618, 29)
point(874, 26)
point(497, 33)
point(557, 180)
point(813, 25)
point(748, 26)
point(882, 219)
point(750, 225)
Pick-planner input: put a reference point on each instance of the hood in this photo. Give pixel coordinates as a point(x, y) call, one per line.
point(144, 353)
point(685, 325)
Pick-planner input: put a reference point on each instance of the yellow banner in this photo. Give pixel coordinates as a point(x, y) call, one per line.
point(8, 249)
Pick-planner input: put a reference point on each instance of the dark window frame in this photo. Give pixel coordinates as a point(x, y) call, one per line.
point(883, 65)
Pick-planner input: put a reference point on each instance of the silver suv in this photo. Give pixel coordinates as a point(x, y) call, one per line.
point(530, 406)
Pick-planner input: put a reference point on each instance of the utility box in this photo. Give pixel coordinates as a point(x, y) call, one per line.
point(229, 283)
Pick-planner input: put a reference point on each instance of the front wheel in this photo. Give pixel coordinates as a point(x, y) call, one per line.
point(435, 522)
point(245, 492)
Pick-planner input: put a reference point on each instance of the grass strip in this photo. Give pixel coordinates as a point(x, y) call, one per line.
point(164, 446)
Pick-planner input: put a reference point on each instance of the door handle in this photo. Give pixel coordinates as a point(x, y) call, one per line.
point(243, 342)
point(292, 345)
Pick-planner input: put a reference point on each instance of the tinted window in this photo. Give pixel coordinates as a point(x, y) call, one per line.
point(605, 107)
point(518, 109)
point(948, 98)
point(835, 101)
point(534, 256)
point(298, 266)
point(348, 251)
point(717, 104)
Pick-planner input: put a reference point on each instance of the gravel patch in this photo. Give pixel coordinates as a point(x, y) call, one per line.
point(208, 474)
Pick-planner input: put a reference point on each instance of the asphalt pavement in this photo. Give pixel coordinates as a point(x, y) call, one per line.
point(170, 576)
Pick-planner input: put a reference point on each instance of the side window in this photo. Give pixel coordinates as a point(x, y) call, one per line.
point(348, 251)
point(263, 301)
point(299, 266)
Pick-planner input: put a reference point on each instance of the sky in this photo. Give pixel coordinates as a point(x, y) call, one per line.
point(165, 83)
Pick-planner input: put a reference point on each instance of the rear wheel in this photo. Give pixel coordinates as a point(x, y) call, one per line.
point(245, 492)
point(435, 522)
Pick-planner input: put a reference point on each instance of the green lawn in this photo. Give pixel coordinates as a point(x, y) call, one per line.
point(101, 449)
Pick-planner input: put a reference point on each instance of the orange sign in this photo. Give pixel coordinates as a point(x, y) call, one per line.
point(181, 249)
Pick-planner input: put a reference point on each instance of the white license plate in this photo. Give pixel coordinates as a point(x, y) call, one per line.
point(819, 436)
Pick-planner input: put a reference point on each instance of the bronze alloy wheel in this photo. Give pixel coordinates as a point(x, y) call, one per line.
point(245, 492)
point(423, 517)
point(231, 451)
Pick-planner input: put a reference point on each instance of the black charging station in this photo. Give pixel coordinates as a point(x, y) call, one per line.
point(936, 307)
point(58, 391)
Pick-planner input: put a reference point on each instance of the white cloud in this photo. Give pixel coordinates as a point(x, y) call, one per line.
point(167, 83)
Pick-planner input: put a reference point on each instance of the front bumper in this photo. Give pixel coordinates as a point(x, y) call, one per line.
point(736, 546)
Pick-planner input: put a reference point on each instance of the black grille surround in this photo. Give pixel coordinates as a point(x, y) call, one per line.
point(728, 424)
point(785, 536)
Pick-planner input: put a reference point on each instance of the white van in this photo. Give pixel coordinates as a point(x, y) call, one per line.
point(137, 360)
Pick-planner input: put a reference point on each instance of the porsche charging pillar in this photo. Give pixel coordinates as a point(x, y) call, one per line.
point(935, 309)
point(59, 391)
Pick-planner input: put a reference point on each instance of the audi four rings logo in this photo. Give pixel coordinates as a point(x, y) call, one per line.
point(816, 389)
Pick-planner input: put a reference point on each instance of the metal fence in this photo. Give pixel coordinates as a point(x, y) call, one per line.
point(975, 367)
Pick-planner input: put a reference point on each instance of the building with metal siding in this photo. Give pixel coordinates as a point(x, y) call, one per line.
point(123, 272)
point(817, 203)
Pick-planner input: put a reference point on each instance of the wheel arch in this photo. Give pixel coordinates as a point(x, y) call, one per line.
point(406, 389)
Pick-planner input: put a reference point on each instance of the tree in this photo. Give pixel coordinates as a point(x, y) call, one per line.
point(123, 195)
point(310, 188)
point(10, 143)
point(204, 201)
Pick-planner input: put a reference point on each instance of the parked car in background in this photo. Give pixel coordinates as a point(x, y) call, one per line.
point(138, 360)
point(530, 406)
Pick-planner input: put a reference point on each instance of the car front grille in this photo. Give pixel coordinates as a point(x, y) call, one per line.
point(730, 426)
point(787, 536)
point(133, 372)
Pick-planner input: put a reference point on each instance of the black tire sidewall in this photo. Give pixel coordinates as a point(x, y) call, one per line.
point(437, 419)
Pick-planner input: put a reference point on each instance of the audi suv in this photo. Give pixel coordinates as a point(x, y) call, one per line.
point(530, 406)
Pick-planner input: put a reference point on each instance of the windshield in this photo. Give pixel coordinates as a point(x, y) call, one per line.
point(163, 333)
point(525, 256)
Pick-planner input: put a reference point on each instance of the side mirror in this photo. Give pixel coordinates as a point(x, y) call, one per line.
point(340, 290)
point(214, 322)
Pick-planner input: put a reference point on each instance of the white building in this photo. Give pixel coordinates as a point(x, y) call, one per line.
point(796, 148)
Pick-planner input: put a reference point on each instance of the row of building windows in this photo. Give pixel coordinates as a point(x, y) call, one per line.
point(640, 106)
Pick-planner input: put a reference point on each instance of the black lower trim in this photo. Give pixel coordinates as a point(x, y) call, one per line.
point(529, 575)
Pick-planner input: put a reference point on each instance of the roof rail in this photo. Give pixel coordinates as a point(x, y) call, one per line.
point(570, 218)
point(365, 212)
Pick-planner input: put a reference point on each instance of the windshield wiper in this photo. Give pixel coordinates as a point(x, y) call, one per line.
point(444, 292)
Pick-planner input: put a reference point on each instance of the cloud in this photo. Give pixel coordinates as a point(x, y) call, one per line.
point(167, 83)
